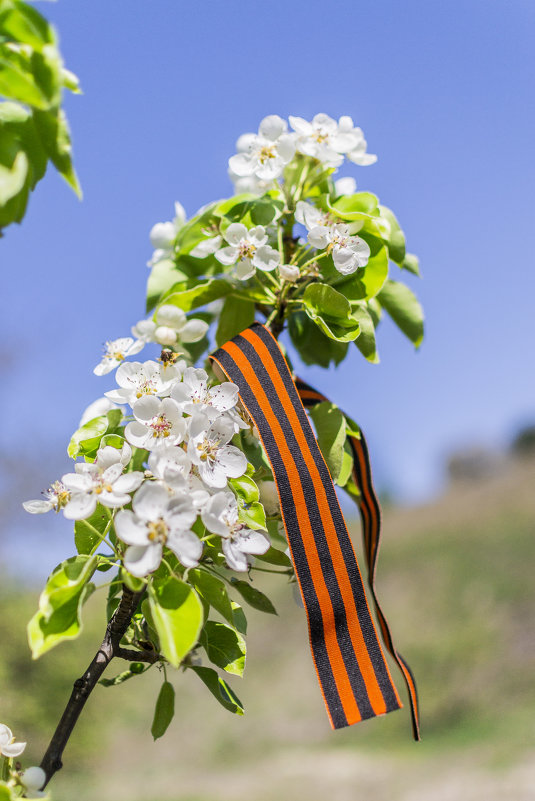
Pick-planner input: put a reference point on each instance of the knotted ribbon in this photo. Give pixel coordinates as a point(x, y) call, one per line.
point(350, 663)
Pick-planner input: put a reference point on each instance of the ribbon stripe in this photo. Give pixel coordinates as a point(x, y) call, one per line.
point(347, 654)
point(370, 512)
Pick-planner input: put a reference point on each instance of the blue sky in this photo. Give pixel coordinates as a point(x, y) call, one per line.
point(444, 93)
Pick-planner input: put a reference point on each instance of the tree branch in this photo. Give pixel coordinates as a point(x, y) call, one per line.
point(83, 686)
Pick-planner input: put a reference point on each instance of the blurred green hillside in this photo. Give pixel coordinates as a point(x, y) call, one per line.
point(456, 580)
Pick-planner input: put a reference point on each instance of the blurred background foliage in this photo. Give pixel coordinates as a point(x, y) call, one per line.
point(456, 581)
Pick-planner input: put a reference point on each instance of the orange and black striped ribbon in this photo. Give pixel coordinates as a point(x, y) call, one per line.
point(370, 512)
point(350, 663)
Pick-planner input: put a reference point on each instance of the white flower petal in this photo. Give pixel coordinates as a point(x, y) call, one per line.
point(80, 506)
point(194, 330)
point(137, 434)
point(171, 316)
point(129, 482)
point(11, 750)
point(272, 127)
point(142, 560)
point(242, 164)
point(245, 269)
point(165, 335)
point(252, 542)
point(266, 258)
point(228, 255)
point(150, 501)
point(187, 547)
point(235, 558)
point(37, 507)
point(235, 233)
point(131, 530)
point(146, 408)
point(163, 235)
point(232, 460)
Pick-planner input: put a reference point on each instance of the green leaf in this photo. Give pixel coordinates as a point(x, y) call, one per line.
point(22, 23)
point(365, 341)
point(253, 516)
point(17, 80)
point(254, 597)
point(346, 468)
point(236, 315)
point(177, 614)
point(225, 647)
point(239, 621)
point(411, 263)
point(85, 536)
point(274, 557)
point(396, 238)
point(87, 438)
point(13, 179)
point(59, 615)
point(165, 710)
point(331, 312)
point(213, 591)
point(53, 129)
point(405, 310)
point(163, 276)
point(245, 488)
point(219, 689)
point(312, 345)
point(353, 207)
point(330, 426)
point(188, 295)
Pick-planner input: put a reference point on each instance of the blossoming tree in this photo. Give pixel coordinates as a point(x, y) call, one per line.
point(172, 495)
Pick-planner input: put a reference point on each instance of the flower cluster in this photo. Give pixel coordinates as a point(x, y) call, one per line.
point(185, 425)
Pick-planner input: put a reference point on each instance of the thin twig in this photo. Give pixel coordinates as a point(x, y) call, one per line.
point(83, 686)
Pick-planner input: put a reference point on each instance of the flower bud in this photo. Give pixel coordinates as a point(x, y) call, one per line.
point(290, 272)
point(165, 335)
point(269, 497)
point(34, 778)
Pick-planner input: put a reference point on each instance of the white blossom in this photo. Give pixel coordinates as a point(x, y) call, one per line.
point(349, 252)
point(92, 484)
point(247, 249)
point(137, 379)
point(345, 186)
point(209, 450)
point(193, 394)
point(116, 351)
point(170, 327)
point(171, 465)
point(163, 236)
point(289, 272)
point(265, 154)
point(8, 747)
point(158, 422)
point(55, 497)
point(328, 141)
point(221, 516)
point(157, 520)
point(248, 184)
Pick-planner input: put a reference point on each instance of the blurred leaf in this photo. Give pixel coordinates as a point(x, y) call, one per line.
point(12, 179)
point(54, 132)
point(396, 238)
point(164, 711)
point(411, 263)
point(219, 689)
point(403, 307)
point(331, 432)
point(162, 277)
point(365, 341)
point(274, 557)
point(225, 647)
point(87, 438)
point(236, 315)
point(59, 615)
point(213, 591)
point(177, 615)
point(188, 295)
point(254, 597)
